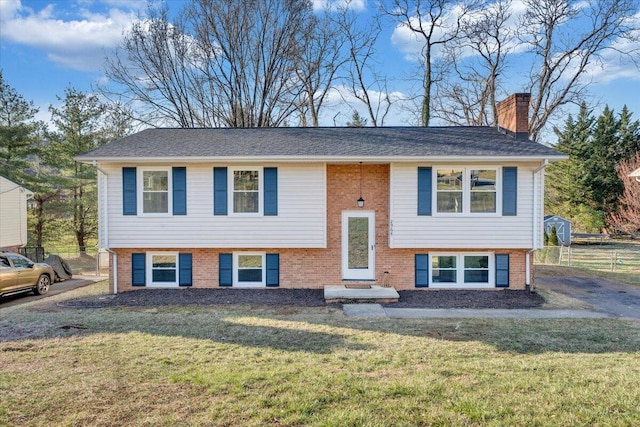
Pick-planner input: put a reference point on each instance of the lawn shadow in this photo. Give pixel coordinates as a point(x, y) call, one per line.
point(324, 329)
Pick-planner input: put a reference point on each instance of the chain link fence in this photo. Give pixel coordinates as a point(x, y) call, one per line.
point(89, 262)
point(623, 258)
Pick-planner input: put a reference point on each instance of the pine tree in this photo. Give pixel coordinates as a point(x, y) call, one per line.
point(357, 121)
point(18, 133)
point(553, 237)
point(567, 183)
point(82, 123)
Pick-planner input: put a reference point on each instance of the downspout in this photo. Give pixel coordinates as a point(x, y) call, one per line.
point(106, 231)
point(536, 224)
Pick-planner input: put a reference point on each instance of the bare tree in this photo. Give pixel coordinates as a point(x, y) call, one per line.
point(436, 23)
point(219, 63)
point(154, 71)
point(251, 50)
point(566, 38)
point(319, 62)
point(362, 77)
point(475, 61)
point(627, 219)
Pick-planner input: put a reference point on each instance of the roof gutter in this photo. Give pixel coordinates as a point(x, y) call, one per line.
point(537, 219)
point(328, 159)
point(106, 228)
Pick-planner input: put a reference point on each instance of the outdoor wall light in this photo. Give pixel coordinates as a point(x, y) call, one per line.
point(360, 202)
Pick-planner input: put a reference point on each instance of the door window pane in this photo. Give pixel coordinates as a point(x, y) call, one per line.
point(358, 243)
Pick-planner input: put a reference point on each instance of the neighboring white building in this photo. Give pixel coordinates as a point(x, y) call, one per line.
point(13, 214)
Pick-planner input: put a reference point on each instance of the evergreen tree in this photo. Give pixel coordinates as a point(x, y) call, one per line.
point(586, 187)
point(553, 237)
point(83, 123)
point(18, 133)
point(567, 182)
point(357, 121)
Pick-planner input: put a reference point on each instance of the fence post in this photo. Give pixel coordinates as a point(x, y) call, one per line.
point(560, 255)
point(612, 261)
point(569, 255)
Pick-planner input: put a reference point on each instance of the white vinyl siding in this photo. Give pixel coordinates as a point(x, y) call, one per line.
point(300, 223)
point(13, 211)
point(463, 230)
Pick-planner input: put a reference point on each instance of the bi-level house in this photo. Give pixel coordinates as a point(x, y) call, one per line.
point(437, 207)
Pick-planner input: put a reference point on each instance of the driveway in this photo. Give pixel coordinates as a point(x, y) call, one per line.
point(56, 288)
point(605, 295)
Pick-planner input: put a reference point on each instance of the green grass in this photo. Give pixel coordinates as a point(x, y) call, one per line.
point(253, 366)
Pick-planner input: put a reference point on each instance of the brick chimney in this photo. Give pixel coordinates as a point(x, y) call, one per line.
point(513, 115)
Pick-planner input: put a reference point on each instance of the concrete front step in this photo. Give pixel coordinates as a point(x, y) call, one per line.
point(377, 294)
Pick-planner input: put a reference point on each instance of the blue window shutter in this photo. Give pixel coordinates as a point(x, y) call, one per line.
point(179, 191)
point(422, 270)
point(502, 270)
point(186, 276)
point(273, 270)
point(509, 191)
point(270, 191)
point(225, 269)
point(138, 270)
point(219, 191)
point(424, 191)
point(129, 194)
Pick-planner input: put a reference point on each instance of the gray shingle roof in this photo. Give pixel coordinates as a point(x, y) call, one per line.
point(298, 143)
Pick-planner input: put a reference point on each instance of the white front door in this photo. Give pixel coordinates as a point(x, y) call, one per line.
point(358, 245)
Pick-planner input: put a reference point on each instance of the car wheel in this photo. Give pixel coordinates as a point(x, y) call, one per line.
point(43, 285)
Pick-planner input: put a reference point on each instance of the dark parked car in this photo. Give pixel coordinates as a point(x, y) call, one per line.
point(20, 274)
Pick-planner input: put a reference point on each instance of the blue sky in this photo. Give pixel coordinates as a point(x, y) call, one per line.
point(48, 45)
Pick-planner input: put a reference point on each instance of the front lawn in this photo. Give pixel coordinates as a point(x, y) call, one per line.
point(239, 366)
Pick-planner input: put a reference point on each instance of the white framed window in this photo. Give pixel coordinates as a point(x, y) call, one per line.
point(155, 191)
point(460, 190)
point(245, 190)
point(162, 269)
point(483, 190)
point(462, 270)
point(249, 269)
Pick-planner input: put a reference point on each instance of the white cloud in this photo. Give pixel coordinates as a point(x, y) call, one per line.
point(614, 64)
point(411, 44)
point(79, 44)
point(9, 9)
point(340, 104)
point(358, 5)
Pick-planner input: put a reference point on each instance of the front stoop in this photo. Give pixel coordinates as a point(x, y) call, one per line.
point(376, 294)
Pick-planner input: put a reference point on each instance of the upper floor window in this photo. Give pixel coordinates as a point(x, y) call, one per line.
point(155, 191)
point(465, 190)
point(246, 190)
point(483, 187)
point(449, 190)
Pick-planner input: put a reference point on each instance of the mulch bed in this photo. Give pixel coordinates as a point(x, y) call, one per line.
point(306, 298)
